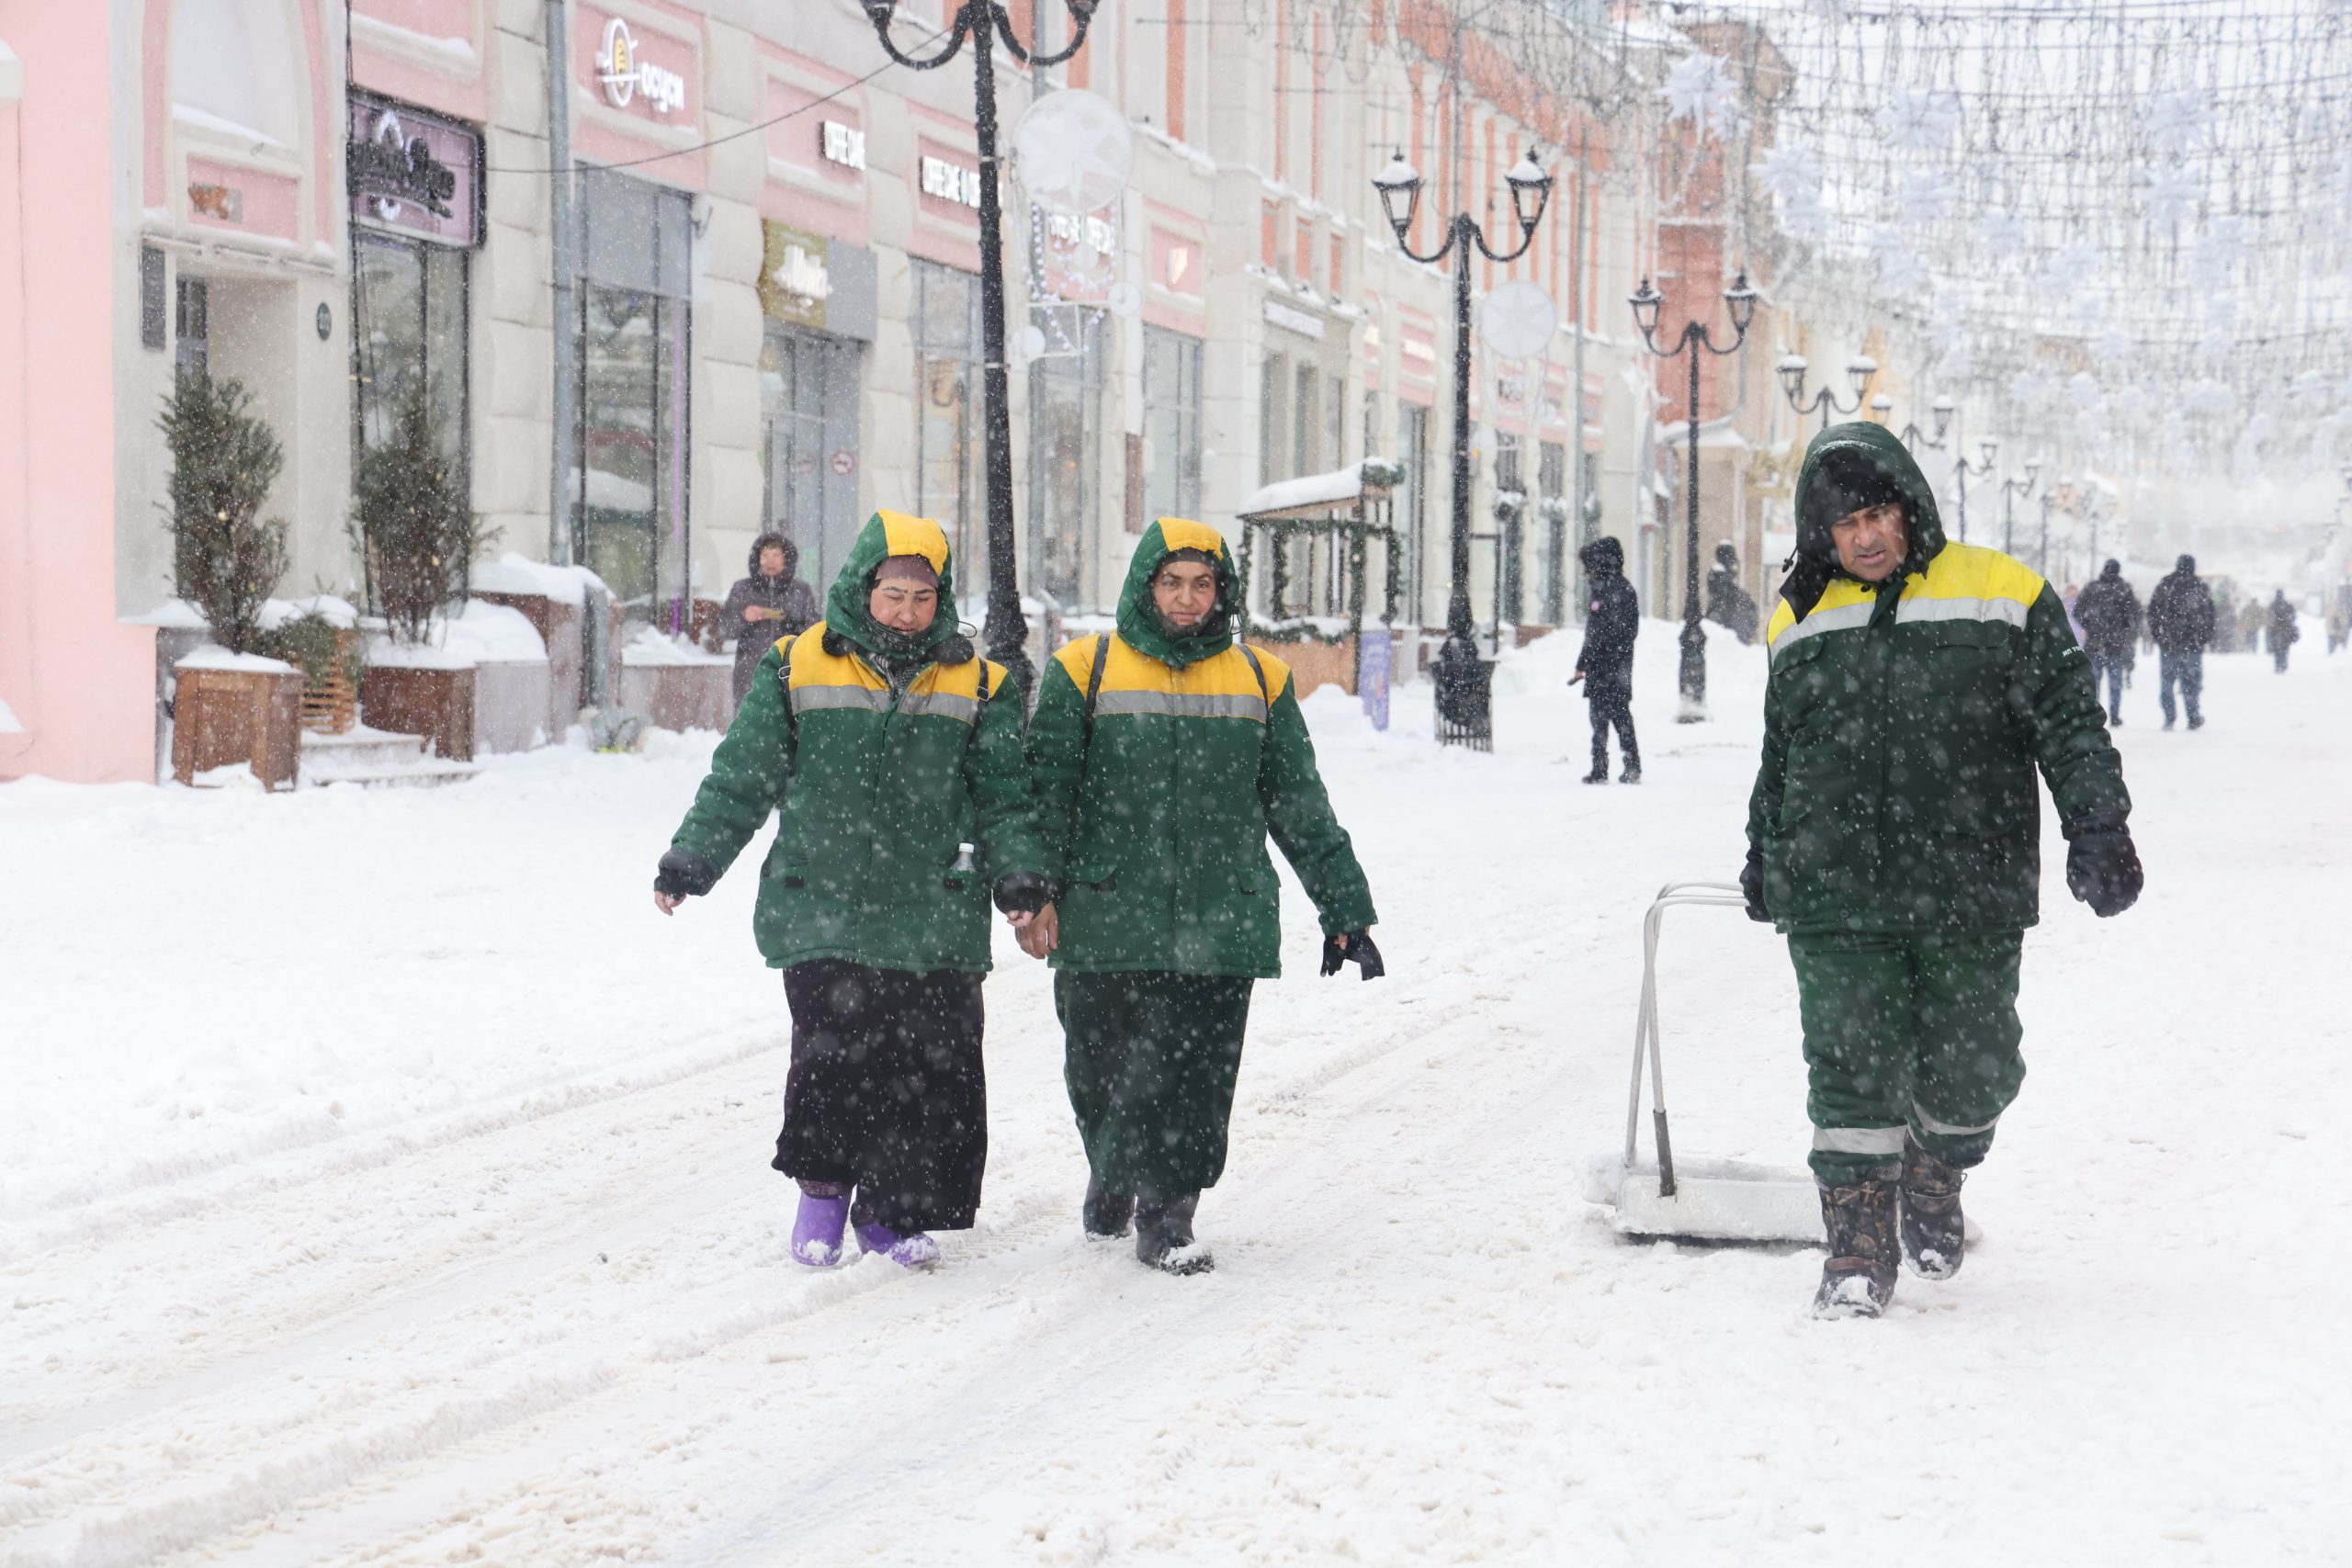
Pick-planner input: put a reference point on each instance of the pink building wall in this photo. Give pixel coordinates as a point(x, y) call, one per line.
point(80, 683)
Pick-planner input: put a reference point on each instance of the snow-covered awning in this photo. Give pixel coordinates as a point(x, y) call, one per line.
point(1316, 495)
point(1714, 435)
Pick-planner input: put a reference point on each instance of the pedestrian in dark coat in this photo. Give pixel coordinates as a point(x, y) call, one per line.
point(2283, 630)
point(2180, 623)
point(891, 755)
point(1728, 605)
point(1613, 619)
point(2250, 619)
point(765, 606)
point(2109, 613)
point(1916, 688)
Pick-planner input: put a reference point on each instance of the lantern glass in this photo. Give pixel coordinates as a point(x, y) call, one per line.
point(1645, 301)
point(1741, 301)
point(1530, 189)
point(1791, 368)
point(1943, 410)
point(1859, 370)
point(1399, 186)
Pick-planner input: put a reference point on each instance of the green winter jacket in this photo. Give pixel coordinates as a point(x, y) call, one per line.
point(1904, 721)
point(900, 801)
point(1155, 834)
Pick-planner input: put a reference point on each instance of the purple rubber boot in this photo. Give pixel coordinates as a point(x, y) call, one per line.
point(911, 1249)
point(817, 1230)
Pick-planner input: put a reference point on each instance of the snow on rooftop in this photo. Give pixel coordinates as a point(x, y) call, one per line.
point(514, 573)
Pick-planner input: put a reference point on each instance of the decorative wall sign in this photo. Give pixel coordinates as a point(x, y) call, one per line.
point(842, 144)
point(1290, 319)
point(413, 171)
point(944, 181)
point(624, 73)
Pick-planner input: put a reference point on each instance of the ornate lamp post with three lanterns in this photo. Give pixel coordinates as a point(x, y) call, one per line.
point(1740, 300)
point(1464, 681)
point(983, 22)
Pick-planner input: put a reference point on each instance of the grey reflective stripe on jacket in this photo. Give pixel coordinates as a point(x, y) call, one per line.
point(1183, 705)
point(1907, 613)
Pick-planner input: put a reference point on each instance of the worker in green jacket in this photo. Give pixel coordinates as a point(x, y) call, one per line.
point(1894, 833)
point(1162, 756)
point(892, 757)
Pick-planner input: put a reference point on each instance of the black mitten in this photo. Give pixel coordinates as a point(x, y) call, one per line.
point(2103, 868)
point(1360, 952)
point(684, 875)
point(1021, 892)
point(1751, 885)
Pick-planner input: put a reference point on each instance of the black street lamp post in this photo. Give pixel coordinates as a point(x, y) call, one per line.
point(983, 22)
point(2010, 491)
point(1961, 471)
point(1859, 369)
point(1464, 681)
point(1913, 436)
point(1740, 300)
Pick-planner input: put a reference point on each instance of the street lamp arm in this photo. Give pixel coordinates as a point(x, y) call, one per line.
point(1435, 257)
point(1707, 340)
point(881, 19)
point(1478, 238)
point(1083, 13)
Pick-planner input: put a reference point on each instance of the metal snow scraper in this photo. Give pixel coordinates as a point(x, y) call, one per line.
point(1714, 1199)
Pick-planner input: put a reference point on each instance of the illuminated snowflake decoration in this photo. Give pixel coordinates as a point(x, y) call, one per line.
point(1920, 120)
point(2177, 121)
point(1925, 197)
point(2171, 193)
point(1900, 270)
point(1701, 89)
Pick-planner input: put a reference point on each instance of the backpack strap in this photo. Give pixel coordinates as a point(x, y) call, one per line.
point(1259, 670)
point(1094, 680)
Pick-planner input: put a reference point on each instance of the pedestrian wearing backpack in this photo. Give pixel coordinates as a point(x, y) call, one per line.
point(891, 755)
point(1162, 756)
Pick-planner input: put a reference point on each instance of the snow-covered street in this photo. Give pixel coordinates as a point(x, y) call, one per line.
point(386, 1181)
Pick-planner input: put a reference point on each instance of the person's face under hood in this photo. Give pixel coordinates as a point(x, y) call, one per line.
point(1143, 627)
point(849, 606)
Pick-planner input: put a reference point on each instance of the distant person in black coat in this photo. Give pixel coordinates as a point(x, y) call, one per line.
point(1613, 619)
point(766, 606)
point(2180, 623)
point(1728, 604)
point(2109, 613)
point(2283, 630)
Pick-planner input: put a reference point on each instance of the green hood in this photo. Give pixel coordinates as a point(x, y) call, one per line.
point(888, 534)
point(1883, 450)
point(1139, 625)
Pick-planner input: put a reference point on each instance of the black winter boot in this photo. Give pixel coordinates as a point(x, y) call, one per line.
point(1934, 1236)
point(1105, 1214)
point(1858, 1279)
point(1164, 1235)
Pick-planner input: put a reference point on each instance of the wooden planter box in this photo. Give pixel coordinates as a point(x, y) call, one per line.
point(435, 704)
point(222, 717)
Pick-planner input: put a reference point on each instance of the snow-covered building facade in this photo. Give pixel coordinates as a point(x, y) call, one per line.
point(773, 294)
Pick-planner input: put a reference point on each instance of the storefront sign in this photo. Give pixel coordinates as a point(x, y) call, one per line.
point(1292, 320)
point(1175, 261)
point(951, 182)
point(412, 171)
point(223, 203)
point(1374, 650)
point(624, 73)
point(843, 463)
point(842, 144)
point(794, 279)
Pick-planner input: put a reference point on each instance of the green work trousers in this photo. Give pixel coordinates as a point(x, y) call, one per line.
point(1151, 1058)
point(1912, 1034)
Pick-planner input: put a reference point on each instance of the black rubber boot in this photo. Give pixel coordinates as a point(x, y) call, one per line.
point(1858, 1279)
point(1934, 1236)
point(1164, 1235)
point(1599, 774)
point(1632, 773)
point(1105, 1214)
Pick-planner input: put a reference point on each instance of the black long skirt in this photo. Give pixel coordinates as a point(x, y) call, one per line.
point(887, 1091)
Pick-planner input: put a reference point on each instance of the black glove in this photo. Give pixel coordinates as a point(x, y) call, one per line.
point(684, 875)
point(1359, 950)
point(2102, 868)
point(1021, 892)
point(1751, 885)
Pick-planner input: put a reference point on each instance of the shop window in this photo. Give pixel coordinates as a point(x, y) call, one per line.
point(808, 397)
point(1273, 439)
point(629, 452)
point(1413, 505)
point(410, 310)
point(1548, 549)
point(1172, 424)
point(951, 469)
point(1065, 450)
point(191, 326)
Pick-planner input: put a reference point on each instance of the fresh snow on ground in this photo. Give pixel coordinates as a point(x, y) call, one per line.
point(386, 1181)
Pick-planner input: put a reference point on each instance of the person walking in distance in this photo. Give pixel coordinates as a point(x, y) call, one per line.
point(768, 604)
point(891, 756)
point(2180, 623)
point(1162, 756)
point(1613, 619)
point(2284, 632)
point(2109, 613)
point(1915, 685)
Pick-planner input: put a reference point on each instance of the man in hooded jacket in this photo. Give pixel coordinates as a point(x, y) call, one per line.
point(768, 602)
point(891, 755)
point(2180, 623)
point(1162, 756)
point(1613, 619)
point(1914, 686)
point(2283, 630)
point(2109, 613)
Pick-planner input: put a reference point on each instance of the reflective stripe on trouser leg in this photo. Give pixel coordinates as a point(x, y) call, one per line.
point(1885, 1142)
point(1968, 1070)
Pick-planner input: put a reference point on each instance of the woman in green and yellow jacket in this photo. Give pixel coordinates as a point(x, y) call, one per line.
point(1163, 757)
point(892, 757)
